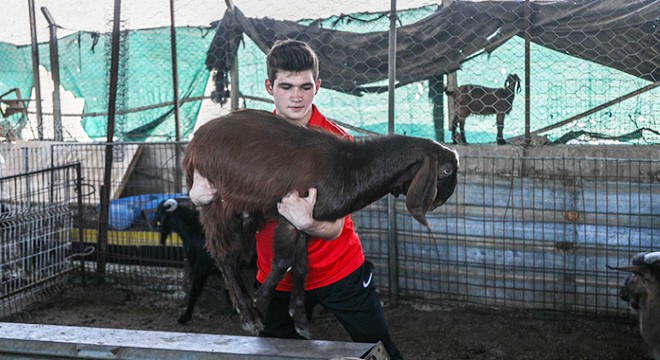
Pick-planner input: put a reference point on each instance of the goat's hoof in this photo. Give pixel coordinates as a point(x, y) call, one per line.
point(501, 142)
point(253, 328)
point(183, 319)
point(303, 331)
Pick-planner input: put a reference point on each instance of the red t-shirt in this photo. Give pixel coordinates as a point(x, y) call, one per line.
point(329, 260)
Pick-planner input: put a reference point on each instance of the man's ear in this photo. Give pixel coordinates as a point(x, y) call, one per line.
point(269, 86)
point(318, 86)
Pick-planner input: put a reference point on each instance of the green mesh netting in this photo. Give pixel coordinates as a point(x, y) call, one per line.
point(562, 86)
point(15, 72)
point(145, 79)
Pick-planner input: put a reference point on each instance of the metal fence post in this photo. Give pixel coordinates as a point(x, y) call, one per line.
point(391, 209)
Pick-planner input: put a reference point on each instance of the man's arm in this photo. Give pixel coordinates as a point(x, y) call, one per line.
point(299, 211)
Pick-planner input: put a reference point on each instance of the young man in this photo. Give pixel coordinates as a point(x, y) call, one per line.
point(339, 278)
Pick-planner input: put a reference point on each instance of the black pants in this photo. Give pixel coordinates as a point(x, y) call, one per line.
point(354, 302)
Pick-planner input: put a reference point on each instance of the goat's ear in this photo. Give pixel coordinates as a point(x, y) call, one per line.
point(423, 190)
point(635, 269)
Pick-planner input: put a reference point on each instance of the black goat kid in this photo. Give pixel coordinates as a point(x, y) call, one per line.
point(184, 220)
point(481, 100)
point(179, 216)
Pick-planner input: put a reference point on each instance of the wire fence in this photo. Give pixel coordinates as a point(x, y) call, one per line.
point(528, 230)
point(36, 221)
point(527, 227)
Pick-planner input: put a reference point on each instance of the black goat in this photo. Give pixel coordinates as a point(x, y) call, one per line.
point(184, 220)
point(481, 100)
point(641, 289)
point(248, 160)
point(179, 216)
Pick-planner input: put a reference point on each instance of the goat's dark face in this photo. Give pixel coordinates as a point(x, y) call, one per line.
point(512, 82)
point(641, 289)
point(433, 184)
point(632, 291)
point(643, 279)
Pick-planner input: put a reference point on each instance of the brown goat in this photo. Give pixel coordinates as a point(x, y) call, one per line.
point(481, 100)
point(641, 290)
point(250, 159)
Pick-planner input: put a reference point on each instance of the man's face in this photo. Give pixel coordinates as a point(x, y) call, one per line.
point(293, 94)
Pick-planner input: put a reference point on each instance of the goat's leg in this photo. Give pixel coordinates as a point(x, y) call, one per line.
point(299, 275)
point(239, 294)
point(455, 137)
point(283, 258)
point(230, 266)
point(458, 128)
point(500, 129)
point(195, 290)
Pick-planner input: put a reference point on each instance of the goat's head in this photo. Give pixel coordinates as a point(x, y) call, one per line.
point(165, 209)
point(641, 289)
point(512, 82)
point(433, 184)
point(645, 272)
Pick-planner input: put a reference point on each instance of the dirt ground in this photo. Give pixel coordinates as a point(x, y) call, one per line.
point(421, 332)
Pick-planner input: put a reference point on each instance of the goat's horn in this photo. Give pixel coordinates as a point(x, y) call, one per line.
point(170, 205)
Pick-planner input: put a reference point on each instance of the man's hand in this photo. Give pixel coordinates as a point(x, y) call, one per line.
point(298, 210)
point(300, 213)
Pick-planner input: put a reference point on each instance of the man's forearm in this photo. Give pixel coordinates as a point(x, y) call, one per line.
point(326, 230)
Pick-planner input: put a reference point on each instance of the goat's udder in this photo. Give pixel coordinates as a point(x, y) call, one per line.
point(202, 191)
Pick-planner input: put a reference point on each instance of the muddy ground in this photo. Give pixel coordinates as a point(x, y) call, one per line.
point(421, 332)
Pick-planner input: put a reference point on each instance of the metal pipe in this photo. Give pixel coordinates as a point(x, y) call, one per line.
point(528, 11)
point(36, 79)
point(102, 237)
point(391, 208)
point(175, 88)
point(175, 75)
point(55, 71)
point(233, 73)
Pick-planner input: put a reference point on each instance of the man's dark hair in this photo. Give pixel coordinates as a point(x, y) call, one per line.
point(291, 55)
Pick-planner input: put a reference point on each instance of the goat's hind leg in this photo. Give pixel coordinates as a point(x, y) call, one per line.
point(240, 296)
point(229, 263)
point(288, 243)
point(500, 129)
point(299, 275)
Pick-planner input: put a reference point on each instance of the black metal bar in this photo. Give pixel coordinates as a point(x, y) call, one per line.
point(36, 79)
point(55, 71)
point(391, 208)
point(81, 232)
point(528, 12)
point(107, 174)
